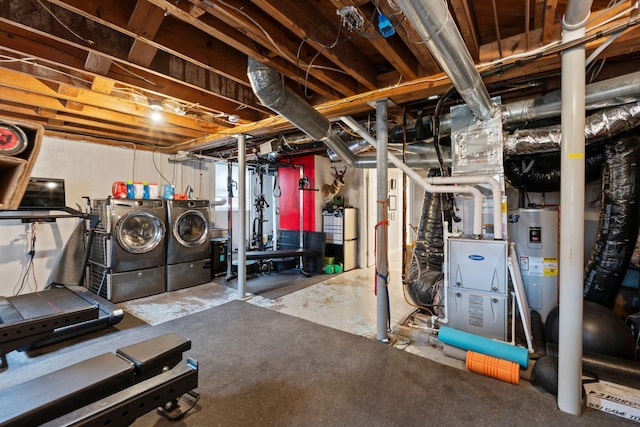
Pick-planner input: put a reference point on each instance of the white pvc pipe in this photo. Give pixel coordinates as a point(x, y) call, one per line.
point(477, 195)
point(445, 234)
point(242, 217)
point(572, 208)
point(496, 192)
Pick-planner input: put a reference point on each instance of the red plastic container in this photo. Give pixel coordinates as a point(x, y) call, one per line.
point(119, 190)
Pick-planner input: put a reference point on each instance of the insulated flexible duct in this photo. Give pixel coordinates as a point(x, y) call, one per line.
point(425, 274)
point(618, 226)
point(598, 126)
point(541, 173)
point(532, 157)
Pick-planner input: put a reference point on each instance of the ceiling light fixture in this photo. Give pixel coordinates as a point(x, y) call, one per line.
point(174, 107)
point(156, 110)
point(156, 116)
point(155, 105)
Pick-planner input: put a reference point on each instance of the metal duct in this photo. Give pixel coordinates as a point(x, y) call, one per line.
point(416, 161)
point(270, 89)
point(356, 146)
point(601, 125)
point(434, 23)
point(606, 93)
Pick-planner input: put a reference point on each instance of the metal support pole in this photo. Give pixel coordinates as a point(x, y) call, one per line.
point(301, 211)
point(382, 262)
point(274, 212)
point(242, 216)
point(572, 211)
point(229, 221)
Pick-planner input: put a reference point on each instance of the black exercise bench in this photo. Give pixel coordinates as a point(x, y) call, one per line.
point(278, 253)
point(39, 318)
point(98, 388)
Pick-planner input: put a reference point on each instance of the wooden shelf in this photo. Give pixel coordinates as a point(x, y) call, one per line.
point(15, 171)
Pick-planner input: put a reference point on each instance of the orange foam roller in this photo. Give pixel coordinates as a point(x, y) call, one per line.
point(500, 369)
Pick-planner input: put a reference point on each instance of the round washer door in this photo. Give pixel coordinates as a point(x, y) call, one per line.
point(139, 232)
point(191, 229)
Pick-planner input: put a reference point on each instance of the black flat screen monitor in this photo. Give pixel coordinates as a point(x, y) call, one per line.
point(44, 194)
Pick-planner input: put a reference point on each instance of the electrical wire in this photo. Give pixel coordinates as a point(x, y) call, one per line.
point(444, 171)
point(284, 54)
point(558, 46)
point(131, 73)
point(133, 165)
point(66, 27)
point(155, 165)
point(30, 269)
point(277, 191)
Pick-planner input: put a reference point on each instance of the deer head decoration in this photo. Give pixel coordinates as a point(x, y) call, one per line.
point(331, 190)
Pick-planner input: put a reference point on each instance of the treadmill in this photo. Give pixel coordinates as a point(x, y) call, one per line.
point(37, 319)
point(60, 312)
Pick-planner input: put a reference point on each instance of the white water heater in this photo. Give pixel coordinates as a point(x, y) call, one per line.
point(535, 233)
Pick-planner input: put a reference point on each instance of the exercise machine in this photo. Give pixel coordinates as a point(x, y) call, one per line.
point(40, 318)
point(108, 389)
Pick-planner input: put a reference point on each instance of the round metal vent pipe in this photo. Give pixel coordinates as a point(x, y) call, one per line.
point(435, 25)
point(270, 89)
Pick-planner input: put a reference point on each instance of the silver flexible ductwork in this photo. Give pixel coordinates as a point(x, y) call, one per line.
point(598, 126)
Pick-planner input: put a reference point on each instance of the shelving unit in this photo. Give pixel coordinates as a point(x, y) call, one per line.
point(341, 228)
point(16, 170)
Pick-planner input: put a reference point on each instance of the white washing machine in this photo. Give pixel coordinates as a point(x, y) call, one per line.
point(128, 252)
point(188, 243)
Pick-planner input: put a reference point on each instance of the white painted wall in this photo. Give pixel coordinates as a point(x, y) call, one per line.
point(354, 193)
point(88, 170)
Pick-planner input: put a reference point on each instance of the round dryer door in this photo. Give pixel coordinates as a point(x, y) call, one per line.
point(191, 229)
point(139, 232)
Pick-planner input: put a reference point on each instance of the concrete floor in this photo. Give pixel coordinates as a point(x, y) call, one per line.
point(346, 302)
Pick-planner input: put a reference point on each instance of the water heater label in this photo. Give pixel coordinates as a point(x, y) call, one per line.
point(550, 266)
point(539, 266)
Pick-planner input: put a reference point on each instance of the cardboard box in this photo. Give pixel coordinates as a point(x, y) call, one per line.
point(614, 399)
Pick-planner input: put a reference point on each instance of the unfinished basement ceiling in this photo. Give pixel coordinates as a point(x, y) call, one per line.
point(96, 70)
